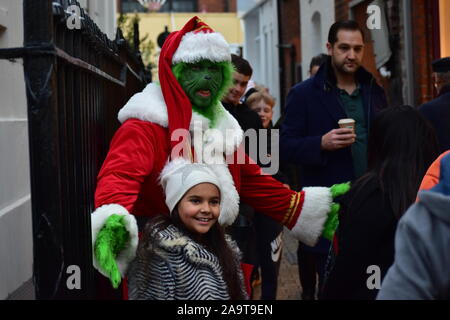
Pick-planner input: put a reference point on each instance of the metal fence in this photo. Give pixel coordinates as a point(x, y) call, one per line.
point(76, 80)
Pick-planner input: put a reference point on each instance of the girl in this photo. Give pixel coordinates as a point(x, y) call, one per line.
point(187, 256)
point(402, 145)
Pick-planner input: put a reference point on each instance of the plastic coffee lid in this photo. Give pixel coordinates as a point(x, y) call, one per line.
point(343, 121)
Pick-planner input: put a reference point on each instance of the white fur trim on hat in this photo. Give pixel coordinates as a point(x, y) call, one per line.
point(180, 175)
point(202, 46)
point(230, 199)
point(314, 214)
point(98, 219)
point(175, 186)
point(149, 105)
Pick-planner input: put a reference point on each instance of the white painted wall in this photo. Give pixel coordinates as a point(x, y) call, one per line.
point(16, 246)
point(103, 12)
point(316, 18)
point(260, 49)
point(16, 241)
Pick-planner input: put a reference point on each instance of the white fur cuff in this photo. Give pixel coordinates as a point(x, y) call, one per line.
point(314, 214)
point(98, 219)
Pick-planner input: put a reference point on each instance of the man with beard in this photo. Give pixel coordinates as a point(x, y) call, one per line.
point(310, 135)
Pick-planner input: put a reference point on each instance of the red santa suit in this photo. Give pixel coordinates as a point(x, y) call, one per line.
point(141, 148)
point(128, 183)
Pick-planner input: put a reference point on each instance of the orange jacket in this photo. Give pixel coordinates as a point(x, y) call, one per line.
point(432, 176)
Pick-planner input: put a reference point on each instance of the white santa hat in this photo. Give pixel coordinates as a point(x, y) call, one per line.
point(180, 175)
point(203, 43)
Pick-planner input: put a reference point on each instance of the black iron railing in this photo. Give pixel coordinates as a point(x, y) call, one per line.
point(76, 80)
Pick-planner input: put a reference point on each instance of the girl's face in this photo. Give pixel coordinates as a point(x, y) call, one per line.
point(199, 209)
point(264, 111)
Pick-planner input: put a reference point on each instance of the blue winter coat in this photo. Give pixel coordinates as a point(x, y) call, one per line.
point(438, 113)
point(313, 109)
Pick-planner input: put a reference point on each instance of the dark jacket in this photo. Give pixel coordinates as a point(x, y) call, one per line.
point(437, 112)
point(246, 117)
point(313, 109)
point(365, 237)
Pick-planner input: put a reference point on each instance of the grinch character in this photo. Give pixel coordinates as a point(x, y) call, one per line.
point(195, 71)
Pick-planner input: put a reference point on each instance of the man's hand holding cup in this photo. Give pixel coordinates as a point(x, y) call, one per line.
point(340, 138)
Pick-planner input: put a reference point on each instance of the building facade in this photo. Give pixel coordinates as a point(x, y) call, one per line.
point(203, 6)
point(172, 15)
point(103, 12)
point(261, 48)
point(16, 234)
point(411, 34)
point(16, 238)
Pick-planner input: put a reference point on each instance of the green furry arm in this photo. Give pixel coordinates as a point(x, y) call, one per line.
point(111, 240)
point(332, 222)
point(339, 189)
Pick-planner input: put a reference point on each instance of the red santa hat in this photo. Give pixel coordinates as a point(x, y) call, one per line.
point(194, 42)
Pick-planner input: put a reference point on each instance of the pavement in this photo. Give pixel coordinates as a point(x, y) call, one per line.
point(288, 282)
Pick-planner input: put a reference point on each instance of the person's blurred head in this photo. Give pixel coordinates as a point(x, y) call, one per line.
point(441, 79)
point(316, 62)
point(346, 46)
point(262, 103)
point(441, 73)
point(241, 76)
point(402, 145)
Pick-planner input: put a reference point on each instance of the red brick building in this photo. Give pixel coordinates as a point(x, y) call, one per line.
point(289, 45)
point(424, 29)
point(126, 6)
point(417, 31)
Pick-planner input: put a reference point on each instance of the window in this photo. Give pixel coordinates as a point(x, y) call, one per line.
point(180, 6)
point(130, 6)
point(444, 25)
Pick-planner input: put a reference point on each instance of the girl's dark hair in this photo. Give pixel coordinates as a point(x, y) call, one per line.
point(402, 145)
point(214, 241)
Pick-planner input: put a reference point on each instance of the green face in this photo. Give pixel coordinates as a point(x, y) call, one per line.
point(202, 82)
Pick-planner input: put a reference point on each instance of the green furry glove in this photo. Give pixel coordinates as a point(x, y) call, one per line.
point(111, 240)
point(339, 189)
point(332, 222)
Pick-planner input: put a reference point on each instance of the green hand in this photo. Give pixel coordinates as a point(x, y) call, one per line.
point(339, 189)
point(332, 222)
point(111, 239)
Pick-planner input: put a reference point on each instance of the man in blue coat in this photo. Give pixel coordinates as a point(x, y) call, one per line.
point(310, 134)
point(437, 111)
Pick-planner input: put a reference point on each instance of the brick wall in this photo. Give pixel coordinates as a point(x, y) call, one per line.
point(341, 7)
point(423, 33)
point(290, 26)
point(217, 5)
point(394, 85)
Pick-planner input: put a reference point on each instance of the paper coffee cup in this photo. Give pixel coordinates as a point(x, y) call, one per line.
point(347, 124)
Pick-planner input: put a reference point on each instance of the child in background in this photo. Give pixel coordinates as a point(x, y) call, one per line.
point(268, 232)
point(187, 256)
